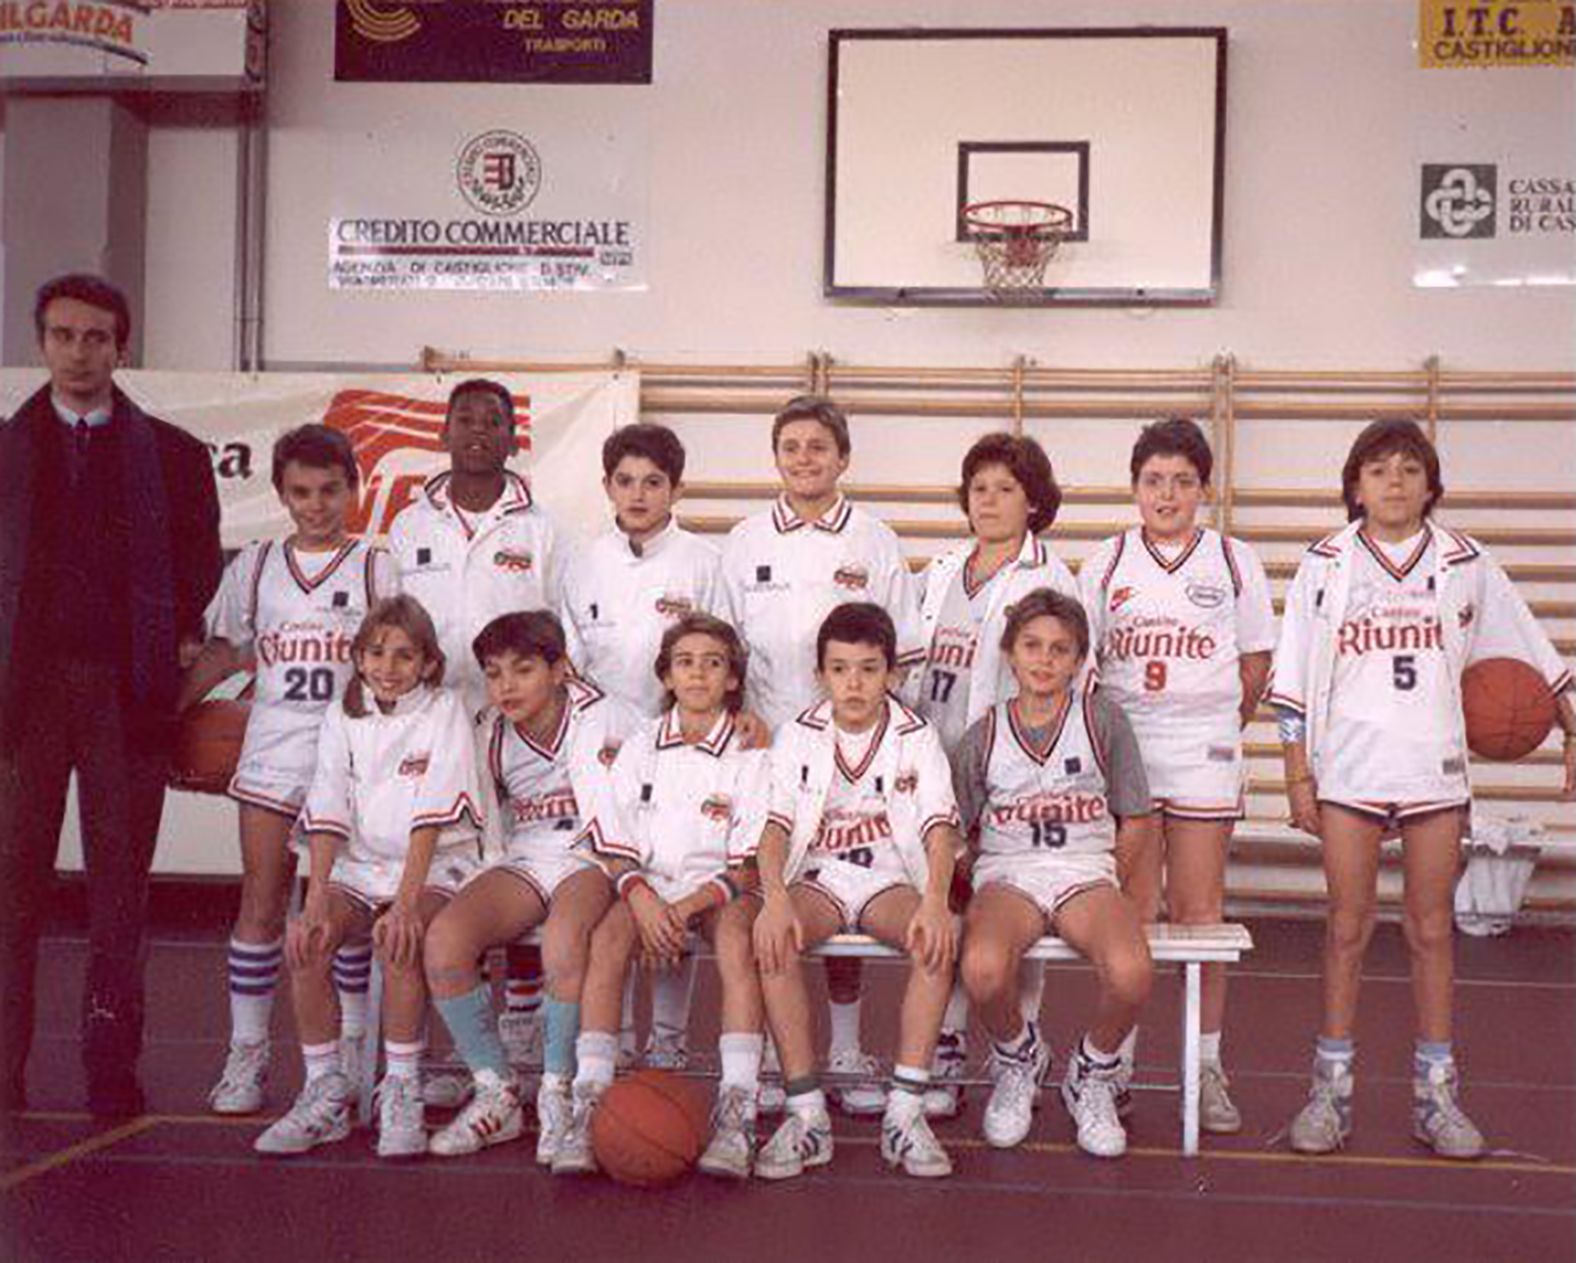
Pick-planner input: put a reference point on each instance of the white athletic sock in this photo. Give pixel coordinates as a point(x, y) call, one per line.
point(741, 1054)
point(1127, 1050)
point(1031, 989)
point(320, 1059)
point(807, 1103)
point(596, 1057)
point(254, 975)
point(352, 980)
point(845, 1027)
point(1209, 1048)
point(403, 1060)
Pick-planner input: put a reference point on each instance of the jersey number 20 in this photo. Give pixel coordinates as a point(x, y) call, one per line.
point(303, 685)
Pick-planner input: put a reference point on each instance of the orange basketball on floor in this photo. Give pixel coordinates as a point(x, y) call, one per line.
point(649, 1128)
point(208, 745)
point(1508, 706)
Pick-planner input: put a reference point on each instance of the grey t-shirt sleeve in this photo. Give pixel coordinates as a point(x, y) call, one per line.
point(968, 774)
point(1127, 788)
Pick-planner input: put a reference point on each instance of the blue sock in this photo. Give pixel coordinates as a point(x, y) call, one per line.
point(1335, 1052)
point(469, 1018)
point(558, 1044)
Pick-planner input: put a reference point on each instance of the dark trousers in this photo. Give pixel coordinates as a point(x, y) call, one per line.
point(74, 720)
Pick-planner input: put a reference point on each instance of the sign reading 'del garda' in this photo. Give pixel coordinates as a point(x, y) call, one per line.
point(519, 213)
point(171, 45)
point(1452, 33)
point(485, 41)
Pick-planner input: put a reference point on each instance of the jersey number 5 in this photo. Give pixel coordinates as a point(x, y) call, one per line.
point(1403, 672)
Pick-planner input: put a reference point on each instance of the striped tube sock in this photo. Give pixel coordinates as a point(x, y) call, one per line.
point(522, 988)
point(353, 979)
point(254, 974)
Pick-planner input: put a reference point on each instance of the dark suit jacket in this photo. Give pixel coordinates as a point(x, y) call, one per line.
point(191, 542)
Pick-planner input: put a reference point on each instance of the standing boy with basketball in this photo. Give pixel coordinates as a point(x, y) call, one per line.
point(683, 814)
point(293, 607)
point(783, 572)
point(1182, 626)
point(1380, 621)
point(862, 837)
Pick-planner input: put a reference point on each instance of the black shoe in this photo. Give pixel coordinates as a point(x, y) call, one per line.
point(116, 1097)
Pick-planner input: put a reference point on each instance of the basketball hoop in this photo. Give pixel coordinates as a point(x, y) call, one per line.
point(1014, 241)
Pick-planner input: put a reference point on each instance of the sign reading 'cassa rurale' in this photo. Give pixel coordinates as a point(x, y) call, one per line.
point(484, 41)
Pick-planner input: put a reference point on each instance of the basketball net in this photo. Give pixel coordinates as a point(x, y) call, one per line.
point(1014, 241)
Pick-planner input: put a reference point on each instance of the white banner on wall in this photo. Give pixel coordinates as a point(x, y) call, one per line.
point(504, 210)
point(394, 421)
point(1494, 178)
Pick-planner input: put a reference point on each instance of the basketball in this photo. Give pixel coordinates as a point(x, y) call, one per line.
point(1508, 707)
point(649, 1128)
point(208, 745)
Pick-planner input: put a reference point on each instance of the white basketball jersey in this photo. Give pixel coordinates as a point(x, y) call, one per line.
point(1169, 628)
point(856, 826)
point(542, 788)
point(949, 666)
point(1392, 724)
point(1045, 802)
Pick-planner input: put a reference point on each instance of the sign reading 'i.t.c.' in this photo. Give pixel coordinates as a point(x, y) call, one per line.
point(485, 41)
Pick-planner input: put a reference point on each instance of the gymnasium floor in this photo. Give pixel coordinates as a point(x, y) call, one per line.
point(181, 1185)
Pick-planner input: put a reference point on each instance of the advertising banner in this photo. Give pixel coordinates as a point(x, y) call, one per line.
point(393, 420)
point(503, 210)
point(1452, 34)
point(482, 41)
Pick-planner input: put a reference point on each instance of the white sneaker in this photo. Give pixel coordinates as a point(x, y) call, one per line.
point(353, 1059)
point(1324, 1123)
point(1090, 1097)
point(801, 1141)
point(240, 1086)
point(493, 1117)
point(444, 1088)
point(732, 1144)
point(521, 1034)
point(573, 1154)
point(1437, 1120)
point(908, 1143)
point(402, 1118)
point(944, 1097)
point(320, 1116)
point(1010, 1111)
point(554, 1108)
point(666, 1050)
point(1217, 1113)
point(863, 1097)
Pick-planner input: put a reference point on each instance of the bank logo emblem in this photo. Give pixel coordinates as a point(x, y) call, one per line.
point(499, 172)
point(1459, 199)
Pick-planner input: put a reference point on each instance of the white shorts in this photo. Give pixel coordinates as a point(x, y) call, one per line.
point(1197, 775)
point(1046, 881)
point(850, 887)
point(278, 759)
point(1392, 814)
point(543, 871)
point(374, 883)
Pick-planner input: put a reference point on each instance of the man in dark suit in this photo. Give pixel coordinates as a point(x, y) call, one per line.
point(109, 552)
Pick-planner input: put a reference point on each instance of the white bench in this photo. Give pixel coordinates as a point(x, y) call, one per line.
point(1191, 946)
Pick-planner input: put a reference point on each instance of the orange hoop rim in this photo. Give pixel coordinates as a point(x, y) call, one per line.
point(1053, 220)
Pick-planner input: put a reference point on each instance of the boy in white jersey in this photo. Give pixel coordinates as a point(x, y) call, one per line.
point(684, 814)
point(550, 740)
point(1047, 783)
point(474, 546)
point(1380, 622)
point(783, 572)
point(621, 594)
point(394, 823)
point(862, 837)
point(290, 607)
point(1009, 492)
point(1182, 626)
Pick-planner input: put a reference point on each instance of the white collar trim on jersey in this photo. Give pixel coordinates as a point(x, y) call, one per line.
point(832, 521)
